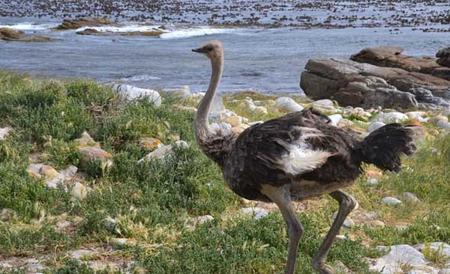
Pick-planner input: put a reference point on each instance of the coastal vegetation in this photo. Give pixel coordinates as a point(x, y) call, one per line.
point(174, 214)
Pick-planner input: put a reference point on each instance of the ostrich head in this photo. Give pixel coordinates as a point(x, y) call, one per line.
point(213, 50)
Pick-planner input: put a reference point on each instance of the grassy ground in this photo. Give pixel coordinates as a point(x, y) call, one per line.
point(153, 202)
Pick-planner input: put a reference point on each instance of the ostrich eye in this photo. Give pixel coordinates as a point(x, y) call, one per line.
point(208, 48)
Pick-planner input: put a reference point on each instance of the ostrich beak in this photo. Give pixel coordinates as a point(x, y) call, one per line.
point(199, 50)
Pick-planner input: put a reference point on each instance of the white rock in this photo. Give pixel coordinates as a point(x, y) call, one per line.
point(256, 212)
point(409, 197)
point(391, 117)
point(183, 92)
point(417, 115)
point(63, 176)
point(79, 191)
point(200, 220)
point(288, 104)
point(34, 266)
point(335, 119)
point(324, 105)
point(372, 182)
point(131, 93)
point(110, 224)
point(4, 132)
point(391, 201)
point(375, 125)
point(7, 214)
point(81, 253)
point(399, 255)
point(234, 120)
point(163, 151)
point(260, 110)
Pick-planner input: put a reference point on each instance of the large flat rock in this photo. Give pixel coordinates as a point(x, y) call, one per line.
point(360, 84)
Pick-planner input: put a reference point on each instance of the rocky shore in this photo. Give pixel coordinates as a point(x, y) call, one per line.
point(421, 14)
point(380, 77)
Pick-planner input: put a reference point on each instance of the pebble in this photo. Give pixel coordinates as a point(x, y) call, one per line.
point(85, 141)
point(324, 105)
point(79, 191)
point(132, 93)
point(288, 104)
point(63, 176)
point(417, 115)
point(372, 182)
point(90, 154)
point(194, 221)
point(7, 214)
point(255, 212)
point(149, 143)
point(163, 151)
point(374, 126)
point(409, 197)
point(392, 117)
point(4, 132)
point(397, 256)
point(335, 119)
point(391, 201)
point(81, 253)
point(110, 224)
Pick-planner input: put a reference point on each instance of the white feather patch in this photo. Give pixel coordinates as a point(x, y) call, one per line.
point(301, 158)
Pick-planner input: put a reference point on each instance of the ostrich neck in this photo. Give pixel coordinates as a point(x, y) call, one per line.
point(201, 122)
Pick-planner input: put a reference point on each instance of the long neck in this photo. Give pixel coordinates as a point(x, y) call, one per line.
point(201, 121)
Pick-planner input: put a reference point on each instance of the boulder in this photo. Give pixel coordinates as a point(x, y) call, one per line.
point(443, 56)
point(288, 104)
point(92, 31)
point(162, 151)
point(398, 256)
point(393, 57)
point(365, 85)
point(8, 34)
point(132, 93)
point(83, 22)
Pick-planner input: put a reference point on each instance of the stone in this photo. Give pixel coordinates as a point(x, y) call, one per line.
point(86, 141)
point(194, 221)
point(374, 126)
point(391, 117)
point(260, 110)
point(63, 225)
point(62, 177)
point(335, 119)
point(81, 253)
point(110, 224)
point(398, 256)
point(4, 132)
point(33, 265)
point(132, 93)
point(255, 212)
point(443, 56)
point(83, 22)
point(365, 85)
point(94, 154)
point(391, 201)
point(8, 34)
point(417, 115)
point(79, 191)
point(324, 105)
point(234, 120)
point(7, 214)
point(393, 57)
point(183, 92)
point(372, 182)
point(42, 171)
point(149, 143)
point(288, 104)
point(163, 151)
point(409, 197)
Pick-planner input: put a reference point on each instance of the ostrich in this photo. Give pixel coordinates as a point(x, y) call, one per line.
point(295, 157)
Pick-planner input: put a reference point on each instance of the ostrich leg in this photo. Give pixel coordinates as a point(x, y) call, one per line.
point(346, 204)
point(281, 197)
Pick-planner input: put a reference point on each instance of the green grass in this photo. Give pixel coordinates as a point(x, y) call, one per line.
point(152, 202)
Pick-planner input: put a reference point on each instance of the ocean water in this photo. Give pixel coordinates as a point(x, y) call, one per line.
point(268, 60)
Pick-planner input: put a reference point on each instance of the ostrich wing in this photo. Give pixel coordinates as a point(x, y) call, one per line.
point(287, 148)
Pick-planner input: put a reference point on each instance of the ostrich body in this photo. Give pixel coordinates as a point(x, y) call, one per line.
point(295, 157)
